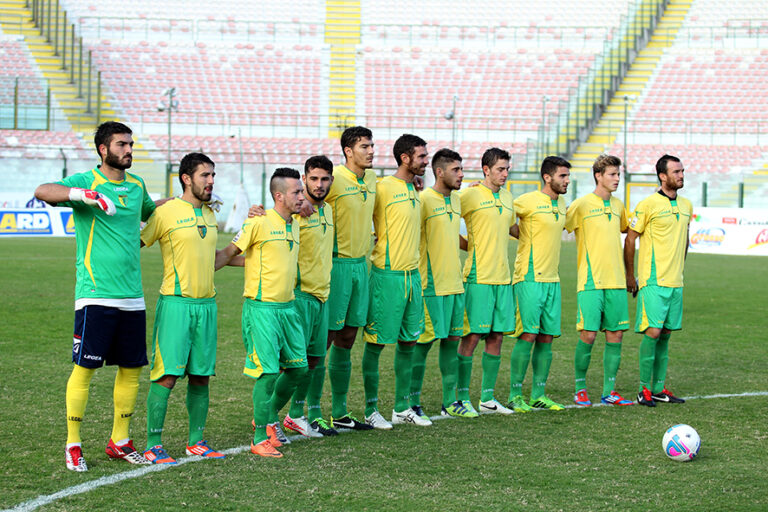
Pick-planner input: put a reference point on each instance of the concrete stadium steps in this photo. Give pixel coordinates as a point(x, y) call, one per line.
point(342, 33)
point(611, 123)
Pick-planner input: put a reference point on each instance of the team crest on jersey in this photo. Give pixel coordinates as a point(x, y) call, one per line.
point(121, 198)
point(202, 230)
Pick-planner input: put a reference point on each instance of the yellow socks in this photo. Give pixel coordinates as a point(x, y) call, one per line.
point(126, 389)
point(77, 398)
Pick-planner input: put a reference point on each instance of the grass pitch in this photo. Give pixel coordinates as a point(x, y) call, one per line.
point(601, 458)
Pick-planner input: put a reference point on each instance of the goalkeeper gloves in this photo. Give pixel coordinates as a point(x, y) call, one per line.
point(93, 198)
point(215, 203)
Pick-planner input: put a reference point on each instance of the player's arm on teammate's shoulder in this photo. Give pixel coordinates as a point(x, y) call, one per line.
point(629, 261)
point(306, 209)
point(514, 230)
point(463, 244)
point(230, 255)
point(256, 210)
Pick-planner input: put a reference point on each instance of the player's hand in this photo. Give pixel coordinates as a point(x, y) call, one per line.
point(632, 285)
point(93, 198)
point(418, 183)
point(306, 209)
point(215, 203)
point(474, 184)
point(256, 210)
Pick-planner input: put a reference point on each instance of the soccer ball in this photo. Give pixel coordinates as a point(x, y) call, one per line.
point(681, 443)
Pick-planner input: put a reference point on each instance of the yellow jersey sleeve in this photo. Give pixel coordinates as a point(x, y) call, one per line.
point(187, 237)
point(488, 217)
point(598, 224)
point(397, 223)
point(316, 251)
point(663, 227)
point(352, 200)
point(439, 260)
point(271, 248)
point(541, 220)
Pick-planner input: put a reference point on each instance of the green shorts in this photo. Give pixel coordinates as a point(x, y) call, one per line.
point(184, 337)
point(313, 316)
point(659, 307)
point(538, 308)
point(273, 337)
point(602, 310)
point(396, 308)
point(488, 308)
point(443, 317)
point(348, 302)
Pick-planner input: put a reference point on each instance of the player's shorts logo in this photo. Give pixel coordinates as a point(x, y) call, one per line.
point(76, 341)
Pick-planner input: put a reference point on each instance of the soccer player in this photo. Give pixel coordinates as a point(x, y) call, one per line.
point(541, 218)
point(442, 288)
point(184, 335)
point(489, 215)
point(661, 223)
point(352, 198)
point(396, 308)
point(272, 331)
point(108, 205)
point(598, 219)
point(312, 290)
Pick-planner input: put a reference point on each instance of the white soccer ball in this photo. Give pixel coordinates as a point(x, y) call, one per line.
point(681, 443)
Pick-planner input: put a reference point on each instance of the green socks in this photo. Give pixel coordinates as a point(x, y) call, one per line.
point(611, 360)
point(284, 388)
point(157, 404)
point(262, 403)
point(581, 364)
point(371, 355)
point(339, 371)
point(660, 362)
point(491, 365)
point(197, 408)
point(646, 357)
point(418, 367)
point(464, 376)
point(299, 396)
point(518, 366)
point(403, 360)
point(540, 361)
point(449, 369)
point(315, 392)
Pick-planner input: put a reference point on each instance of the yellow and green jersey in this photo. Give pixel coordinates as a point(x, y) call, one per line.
point(187, 237)
point(488, 216)
point(541, 220)
point(315, 252)
point(352, 200)
point(397, 223)
point(271, 248)
point(107, 262)
point(439, 262)
point(598, 224)
point(663, 227)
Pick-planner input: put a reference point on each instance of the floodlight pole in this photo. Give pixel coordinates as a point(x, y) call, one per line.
point(626, 184)
point(240, 143)
point(453, 126)
point(170, 92)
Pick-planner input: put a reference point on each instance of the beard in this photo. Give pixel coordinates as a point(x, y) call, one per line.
point(114, 161)
point(318, 199)
point(200, 194)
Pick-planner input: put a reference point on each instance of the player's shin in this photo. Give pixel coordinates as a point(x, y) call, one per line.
point(299, 397)
point(646, 357)
point(518, 365)
point(339, 371)
point(611, 361)
point(660, 360)
point(418, 367)
point(126, 389)
point(315, 392)
point(491, 363)
point(464, 377)
point(541, 360)
point(581, 359)
point(197, 408)
point(157, 405)
point(284, 388)
point(77, 398)
point(449, 369)
point(262, 402)
point(403, 361)
point(371, 355)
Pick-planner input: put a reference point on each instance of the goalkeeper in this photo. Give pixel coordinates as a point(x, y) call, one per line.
point(108, 205)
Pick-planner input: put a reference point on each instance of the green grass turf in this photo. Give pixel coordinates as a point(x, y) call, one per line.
point(586, 459)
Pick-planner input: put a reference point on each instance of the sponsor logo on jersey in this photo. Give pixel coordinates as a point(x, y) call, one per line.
point(708, 237)
point(182, 221)
point(120, 189)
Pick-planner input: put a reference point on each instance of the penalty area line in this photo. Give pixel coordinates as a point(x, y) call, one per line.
point(47, 499)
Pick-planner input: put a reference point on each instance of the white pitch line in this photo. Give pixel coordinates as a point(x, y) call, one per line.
point(33, 504)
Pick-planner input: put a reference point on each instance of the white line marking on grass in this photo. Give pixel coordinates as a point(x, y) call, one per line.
point(135, 473)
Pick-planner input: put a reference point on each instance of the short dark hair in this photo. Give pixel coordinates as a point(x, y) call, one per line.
point(661, 164)
point(443, 157)
point(351, 135)
point(493, 155)
point(602, 162)
point(189, 164)
point(406, 143)
point(318, 162)
point(276, 182)
point(550, 164)
point(106, 131)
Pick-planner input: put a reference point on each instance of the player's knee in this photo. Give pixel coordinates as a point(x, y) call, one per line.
point(588, 337)
point(168, 381)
